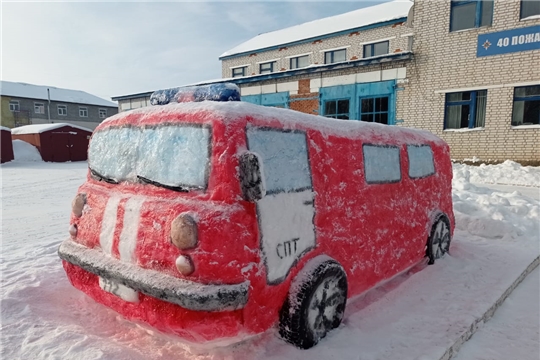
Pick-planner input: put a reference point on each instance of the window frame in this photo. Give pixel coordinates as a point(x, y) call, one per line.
point(472, 103)
point(521, 17)
point(233, 71)
point(332, 54)
point(102, 111)
point(83, 111)
point(38, 105)
point(296, 59)
point(61, 106)
point(409, 161)
point(387, 112)
point(336, 114)
point(371, 47)
point(523, 98)
point(478, 12)
point(371, 182)
point(14, 105)
point(265, 71)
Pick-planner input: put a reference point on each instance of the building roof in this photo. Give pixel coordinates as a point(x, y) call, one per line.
point(331, 25)
point(29, 91)
point(39, 128)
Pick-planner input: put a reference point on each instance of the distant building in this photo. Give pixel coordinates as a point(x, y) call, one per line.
point(467, 71)
point(26, 104)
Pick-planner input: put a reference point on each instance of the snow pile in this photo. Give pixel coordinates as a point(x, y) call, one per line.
point(24, 151)
point(492, 214)
point(507, 173)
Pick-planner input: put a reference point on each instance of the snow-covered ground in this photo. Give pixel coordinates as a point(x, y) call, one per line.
point(418, 315)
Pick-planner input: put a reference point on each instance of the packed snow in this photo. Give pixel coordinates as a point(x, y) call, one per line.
point(24, 151)
point(39, 128)
point(418, 315)
point(507, 173)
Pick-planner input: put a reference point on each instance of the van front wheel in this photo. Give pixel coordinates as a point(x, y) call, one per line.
point(315, 305)
point(439, 240)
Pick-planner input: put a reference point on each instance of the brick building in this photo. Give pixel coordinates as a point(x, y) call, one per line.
point(26, 104)
point(467, 70)
point(475, 81)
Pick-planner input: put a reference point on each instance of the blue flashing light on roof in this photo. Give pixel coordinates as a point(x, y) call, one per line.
point(212, 92)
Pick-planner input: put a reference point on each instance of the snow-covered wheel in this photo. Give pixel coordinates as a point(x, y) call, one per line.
point(439, 239)
point(315, 304)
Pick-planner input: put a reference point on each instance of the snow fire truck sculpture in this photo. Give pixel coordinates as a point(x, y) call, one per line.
point(220, 219)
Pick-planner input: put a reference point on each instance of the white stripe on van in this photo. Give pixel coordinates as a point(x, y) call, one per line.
point(128, 236)
point(109, 224)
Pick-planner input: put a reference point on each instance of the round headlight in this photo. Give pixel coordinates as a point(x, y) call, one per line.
point(184, 265)
point(184, 232)
point(78, 203)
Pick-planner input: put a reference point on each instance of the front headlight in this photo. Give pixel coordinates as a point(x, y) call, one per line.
point(184, 232)
point(78, 203)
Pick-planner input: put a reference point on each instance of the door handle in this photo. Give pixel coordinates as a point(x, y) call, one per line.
point(308, 202)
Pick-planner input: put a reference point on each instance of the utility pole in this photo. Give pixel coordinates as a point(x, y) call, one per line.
point(49, 105)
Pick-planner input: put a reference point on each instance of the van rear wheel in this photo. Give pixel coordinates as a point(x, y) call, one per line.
point(439, 240)
point(315, 305)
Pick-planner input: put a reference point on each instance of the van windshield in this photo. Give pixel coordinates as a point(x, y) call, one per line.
point(171, 156)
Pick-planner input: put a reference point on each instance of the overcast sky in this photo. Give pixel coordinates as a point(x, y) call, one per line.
point(120, 48)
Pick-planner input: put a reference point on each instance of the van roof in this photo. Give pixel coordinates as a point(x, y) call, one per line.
point(231, 112)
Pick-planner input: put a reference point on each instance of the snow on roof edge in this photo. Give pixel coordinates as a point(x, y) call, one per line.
point(40, 128)
point(5, 128)
point(32, 91)
point(380, 13)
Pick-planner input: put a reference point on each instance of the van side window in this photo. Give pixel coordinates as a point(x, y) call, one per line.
point(420, 161)
point(381, 164)
point(284, 156)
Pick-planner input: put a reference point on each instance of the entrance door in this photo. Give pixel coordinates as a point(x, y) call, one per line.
point(286, 212)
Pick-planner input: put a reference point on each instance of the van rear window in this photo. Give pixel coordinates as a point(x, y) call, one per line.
point(381, 164)
point(420, 161)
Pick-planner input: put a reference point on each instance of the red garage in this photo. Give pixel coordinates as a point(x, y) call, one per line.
point(6, 151)
point(56, 142)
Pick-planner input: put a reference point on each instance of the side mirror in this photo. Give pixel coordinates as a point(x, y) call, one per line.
point(251, 177)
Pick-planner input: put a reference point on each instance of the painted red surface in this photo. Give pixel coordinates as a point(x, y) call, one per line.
point(229, 252)
point(6, 153)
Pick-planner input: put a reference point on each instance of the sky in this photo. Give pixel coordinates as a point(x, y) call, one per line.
point(121, 47)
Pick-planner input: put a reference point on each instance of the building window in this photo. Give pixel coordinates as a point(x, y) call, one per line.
point(376, 49)
point(529, 8)
point(465, 109)
point(62, 110)
point(374, 110)
point(240, 71)
point(337, 109)
point(468, 14)
point(14, 106)
point(526, 106)
point(335, 56)
point(299, 62)
point(267, 68)
point(83, 111)
point(102, 113)
point(39, 108)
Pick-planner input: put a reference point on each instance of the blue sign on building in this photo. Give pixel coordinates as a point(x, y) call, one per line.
point(509, 41)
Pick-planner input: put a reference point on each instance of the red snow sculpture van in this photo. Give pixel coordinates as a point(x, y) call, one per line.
point(222, 219)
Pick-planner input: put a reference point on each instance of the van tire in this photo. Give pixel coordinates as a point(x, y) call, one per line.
point(439, 239)
point(307, 315)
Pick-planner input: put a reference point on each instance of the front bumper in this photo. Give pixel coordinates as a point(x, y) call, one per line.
point(188, 294)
